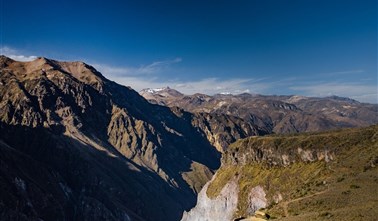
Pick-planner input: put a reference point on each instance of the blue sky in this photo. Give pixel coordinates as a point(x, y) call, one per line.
point(304, 47)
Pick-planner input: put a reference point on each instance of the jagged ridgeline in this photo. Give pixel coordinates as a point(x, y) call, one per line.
point(310, 176)
point(76, 146)
point(272, 113)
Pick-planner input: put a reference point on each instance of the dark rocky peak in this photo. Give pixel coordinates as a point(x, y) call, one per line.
point(5, 61)
point(197, 97)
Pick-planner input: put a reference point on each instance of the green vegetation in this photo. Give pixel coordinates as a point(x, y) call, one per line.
point(342, 189)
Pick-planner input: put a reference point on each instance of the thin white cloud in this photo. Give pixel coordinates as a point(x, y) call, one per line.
point(346, 72)
point(16, 55)
point(153, 68)
point(148, 77)
point(114, 71)
point(157, 66)
point(206, 86)
point(216, 85)
point(358, 91)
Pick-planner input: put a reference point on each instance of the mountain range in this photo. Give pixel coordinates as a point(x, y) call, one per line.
point(273, 114)
point(77, 146)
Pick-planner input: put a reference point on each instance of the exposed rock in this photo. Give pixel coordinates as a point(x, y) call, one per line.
point(220, 208)
point(270, 152)
point(222, 130)
point(256, 199)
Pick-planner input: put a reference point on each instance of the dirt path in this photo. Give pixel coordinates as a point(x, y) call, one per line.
point(285, 204)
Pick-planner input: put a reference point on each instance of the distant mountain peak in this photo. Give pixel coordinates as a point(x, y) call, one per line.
point(335, 97)
point(163, 91)
point(156, 90)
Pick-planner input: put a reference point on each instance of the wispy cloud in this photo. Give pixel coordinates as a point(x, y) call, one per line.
point(127, 71)
point(206, 85)
point(358, 91)
point(347, 72)
point(157, 66)
point(216, 85)
point(114, 71)
point(16, 55)
point(149, 76)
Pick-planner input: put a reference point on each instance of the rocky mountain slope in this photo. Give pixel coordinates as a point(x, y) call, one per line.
point(221, 128)
point(274, 114)
point(309, 176)
point(76, 146)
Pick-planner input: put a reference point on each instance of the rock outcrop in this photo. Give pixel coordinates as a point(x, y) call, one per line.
point(221, 207)
point(222, 130)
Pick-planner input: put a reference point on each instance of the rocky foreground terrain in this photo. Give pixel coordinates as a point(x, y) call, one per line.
point(306, 176)
point(274, 114)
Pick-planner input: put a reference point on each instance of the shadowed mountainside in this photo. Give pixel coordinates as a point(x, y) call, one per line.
point(76, 146)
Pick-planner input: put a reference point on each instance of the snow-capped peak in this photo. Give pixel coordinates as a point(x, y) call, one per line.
point(225, 93)
point(155, 90)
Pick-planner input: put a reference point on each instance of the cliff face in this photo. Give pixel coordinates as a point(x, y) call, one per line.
point(221, 207)
point(102, 149)
point(279, 151)
point(222, 130)
point(311, 176)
